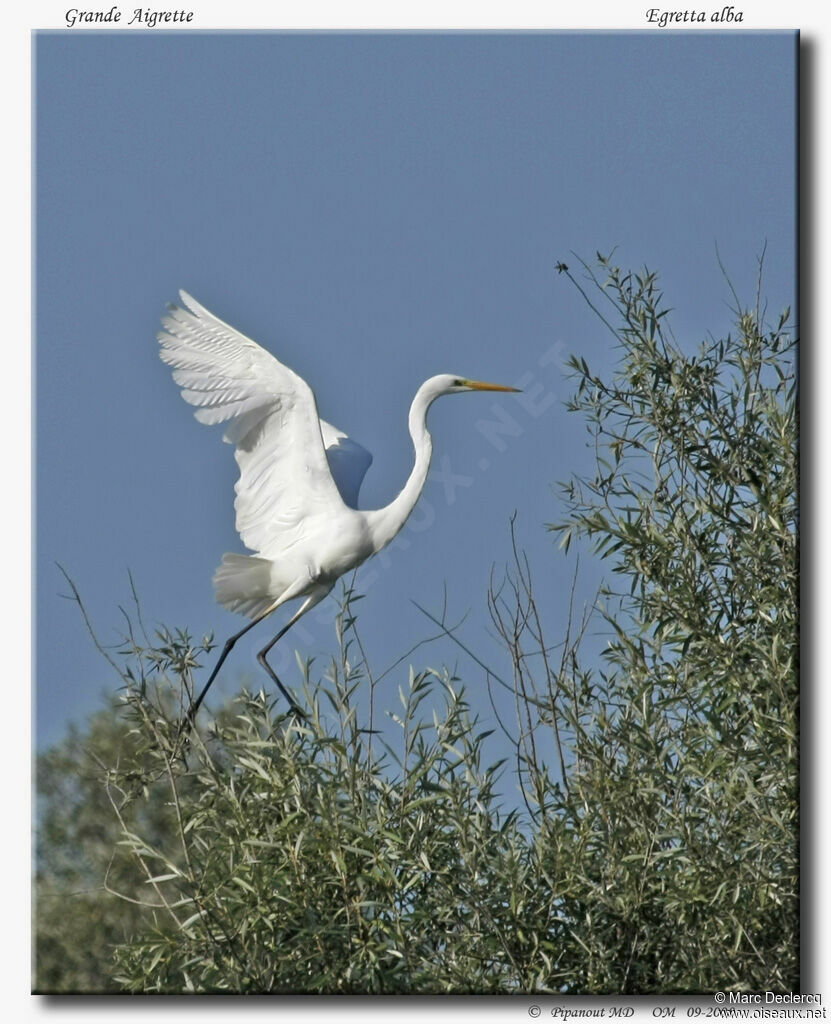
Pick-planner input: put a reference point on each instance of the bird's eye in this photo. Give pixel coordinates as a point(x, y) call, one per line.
point(458, 383)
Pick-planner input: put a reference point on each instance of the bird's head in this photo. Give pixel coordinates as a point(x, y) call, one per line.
point(451, 384)
point(448, 384)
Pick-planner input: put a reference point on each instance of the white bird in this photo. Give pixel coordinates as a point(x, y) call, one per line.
point(297, 493)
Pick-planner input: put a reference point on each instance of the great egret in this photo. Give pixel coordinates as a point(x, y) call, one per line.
point(297, 493)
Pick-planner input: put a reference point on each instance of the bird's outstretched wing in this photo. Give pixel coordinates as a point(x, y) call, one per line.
point(348, 461)
point(271, 415)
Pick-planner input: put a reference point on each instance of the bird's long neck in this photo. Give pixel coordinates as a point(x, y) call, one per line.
point(384, 523)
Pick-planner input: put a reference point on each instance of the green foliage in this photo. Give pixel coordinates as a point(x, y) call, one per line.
point(656, 846)
point(89, 893)
point(299, 860)
point(678, 809)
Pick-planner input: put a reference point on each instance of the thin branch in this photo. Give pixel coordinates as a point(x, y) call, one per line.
point(458, 642)
point(76, 597)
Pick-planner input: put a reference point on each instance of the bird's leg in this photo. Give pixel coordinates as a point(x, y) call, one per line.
point(261, 657)
point(262, 660)
point(226, 650)
point(308, 603)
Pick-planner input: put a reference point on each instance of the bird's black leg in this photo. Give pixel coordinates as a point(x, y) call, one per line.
point(261, 658)
point(226, 650)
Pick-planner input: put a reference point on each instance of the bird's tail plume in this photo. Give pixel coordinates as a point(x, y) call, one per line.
point(242, 583)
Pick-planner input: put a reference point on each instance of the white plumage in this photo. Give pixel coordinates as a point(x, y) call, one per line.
point(297, 493)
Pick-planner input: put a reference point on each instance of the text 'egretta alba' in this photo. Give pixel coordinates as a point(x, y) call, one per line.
point(297, 493)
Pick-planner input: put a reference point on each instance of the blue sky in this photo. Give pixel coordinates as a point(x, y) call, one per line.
point(373, 209)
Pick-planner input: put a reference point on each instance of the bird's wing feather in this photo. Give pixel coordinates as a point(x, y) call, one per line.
point(348, 462)
point(285, 479)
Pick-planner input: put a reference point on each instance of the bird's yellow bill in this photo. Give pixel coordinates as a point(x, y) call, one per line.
point(480, 385)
